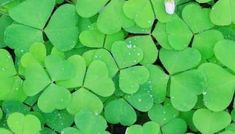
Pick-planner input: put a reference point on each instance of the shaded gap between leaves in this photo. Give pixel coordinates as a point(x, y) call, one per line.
point(152, 7)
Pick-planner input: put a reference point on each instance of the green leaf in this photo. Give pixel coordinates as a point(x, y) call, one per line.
point(119, 111)
point(125, 54)
point(142, 100)
point(90, 123)
point(158, 81)
point(222, 12)
point(140, 11)
point(5, 21)
point(111, 19)
point(174, 29)
point(58, 120)
point(5, 131)
point(64, 20)
point(54, 97)
point(10, 107)
point(224, 51)
point(148, 47)
point(203, 1)
point(209, 122)
point(36, 79)
point(7, 67)
point(210, 38)
point(92, 37)
point(23, 124)
point(220, 88)
point(176, 126)
point(79, 70)
point(58, 68)
point(162, 114)
point(36, 16)
point(83, 99)
point(131, 78)
point(200, 20)
point(98, 80)
point(21, 37)
point(106, 57)
point(88, 8)
point(177, 61)
point(160, 12)
point(36, 54)
point(148, 128)
point(185, 87)
point(70, 130)
point(161, 35)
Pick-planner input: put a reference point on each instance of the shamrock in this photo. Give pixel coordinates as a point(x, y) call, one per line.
point(89, 81)
point(217, 97)
point(23, 124)
point(11, 83)
point(166, 116)
point(149, 127)
point(84, 120)
point(38, 79)
point(32, 29)
point(119, 111)
point(221, 12)
point(207, 121)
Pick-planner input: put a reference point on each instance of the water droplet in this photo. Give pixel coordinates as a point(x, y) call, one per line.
point(139, 100)
point(164, 119)
point(204, 93)
point(129, 46)
point(3, 69)
point(138, 54)
point(21, 50)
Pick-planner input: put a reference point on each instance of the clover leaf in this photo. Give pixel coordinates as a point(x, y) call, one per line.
point(162, 114)
point(150, 51)
point(95, 39)
point(90, 81)
point(209, 122)
point(58, 120)
point(200, 21)
point(70, 130)
point(110, 25)
point(174, 28)
point(134, 54)
point(30, 24)
point(210, 37)
point(177, 125)
point(185, 87)
point(148, 128)
point(178, 61)
point(5, 21)
point(21, 37)
point(142, 100)
point(158, 81)
point(220, 87)
point(69, 28)
point(86, 100)
point(130, 80)
point(23, 124)
point(88, 8)
point(5, 131)
point(224, 51)
point(10, 84)
point(221, 13)
point(85, 119)
point(46, 101)
point(38, 14)
point(119, 111)
point(141, 11)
